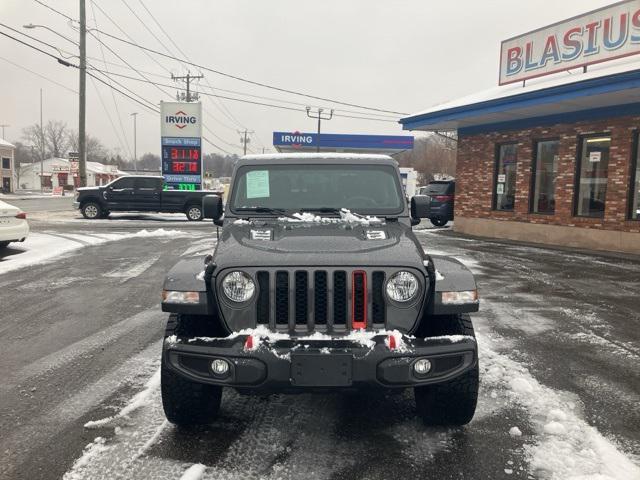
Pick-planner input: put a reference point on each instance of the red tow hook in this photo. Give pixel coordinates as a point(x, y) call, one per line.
point(248, 343)
point(391, 342)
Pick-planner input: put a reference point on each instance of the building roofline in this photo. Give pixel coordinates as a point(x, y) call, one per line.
point(547, 95)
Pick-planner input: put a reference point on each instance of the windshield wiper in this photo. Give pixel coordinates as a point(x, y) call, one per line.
point(322, 210)
point(279, 211)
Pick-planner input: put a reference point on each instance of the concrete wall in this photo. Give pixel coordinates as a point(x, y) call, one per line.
point(475, 183)
point(564, 236)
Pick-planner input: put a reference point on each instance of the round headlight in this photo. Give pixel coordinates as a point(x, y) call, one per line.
point(402, 287)
point(238, 287)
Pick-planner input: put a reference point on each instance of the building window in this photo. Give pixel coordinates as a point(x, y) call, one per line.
point(6, 163)
point(635, 183)
point(593, 164)
point(505, 181)
point(545, 169)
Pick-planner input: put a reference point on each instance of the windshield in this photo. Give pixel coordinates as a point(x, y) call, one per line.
point(371, 189)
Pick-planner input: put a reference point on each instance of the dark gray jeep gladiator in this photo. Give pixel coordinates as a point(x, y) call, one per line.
point(138, 193)
point(318, 283)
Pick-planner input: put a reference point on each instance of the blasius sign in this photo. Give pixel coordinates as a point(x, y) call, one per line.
point(598, 36)
point(181, 119)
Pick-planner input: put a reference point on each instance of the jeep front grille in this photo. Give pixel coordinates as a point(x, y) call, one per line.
point(321, 299)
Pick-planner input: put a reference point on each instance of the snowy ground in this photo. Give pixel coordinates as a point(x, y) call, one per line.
point(559, 349)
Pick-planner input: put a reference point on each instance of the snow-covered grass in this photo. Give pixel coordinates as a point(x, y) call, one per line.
point(39, 248)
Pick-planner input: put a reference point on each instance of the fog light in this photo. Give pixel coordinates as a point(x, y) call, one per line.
point(219, 366)
point(422, 366)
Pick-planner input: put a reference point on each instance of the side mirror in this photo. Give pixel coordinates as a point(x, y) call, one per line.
point(420, 206)
point(212, 207)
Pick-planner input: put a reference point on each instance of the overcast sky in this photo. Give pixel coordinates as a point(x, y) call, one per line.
point(400, 55)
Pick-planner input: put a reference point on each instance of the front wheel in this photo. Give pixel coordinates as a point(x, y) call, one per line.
point(453, 402)
point(188, 403)
point(194, 213)
point(91, 210)
point(438, 221)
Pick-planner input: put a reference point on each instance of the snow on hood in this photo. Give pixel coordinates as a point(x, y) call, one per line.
point(346, 216)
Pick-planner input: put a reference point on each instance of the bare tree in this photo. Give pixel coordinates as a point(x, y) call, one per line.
point(56, 136)
point(431, 156)
point(33, 138)
point(96, 151)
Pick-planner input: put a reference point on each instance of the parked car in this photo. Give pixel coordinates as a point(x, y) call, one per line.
point(13, 224)
point(318, 283)
point(441, 195)
point(138, 194)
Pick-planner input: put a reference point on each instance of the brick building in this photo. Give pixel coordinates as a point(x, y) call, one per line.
point(551, 161)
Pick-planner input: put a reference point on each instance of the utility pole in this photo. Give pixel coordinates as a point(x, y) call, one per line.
point(135, 146)
point(320, 117)
point(4, 125)
point(82, 153)
point(41, 146)
point(187, 78)
point(245, 140)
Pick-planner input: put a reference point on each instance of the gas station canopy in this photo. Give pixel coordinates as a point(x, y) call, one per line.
point(334, 142)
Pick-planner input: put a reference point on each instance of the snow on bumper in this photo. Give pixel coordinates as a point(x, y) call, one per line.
point(291, 363)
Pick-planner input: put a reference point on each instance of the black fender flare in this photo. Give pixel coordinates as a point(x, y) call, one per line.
point(450, 275)
point(189, 275)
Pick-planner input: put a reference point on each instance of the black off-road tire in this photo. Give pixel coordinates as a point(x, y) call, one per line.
point(188, 403)
point(453, 402)
point(438, 221)
point(193, 212)
point(91, 211)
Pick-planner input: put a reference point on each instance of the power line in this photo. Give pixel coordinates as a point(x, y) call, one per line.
point(68, 64)
point(238, 78)
point(282, 107)
point(222, 108)
point(39, 75)
point(113, 96)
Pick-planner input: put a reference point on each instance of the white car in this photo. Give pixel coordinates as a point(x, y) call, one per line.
point(13, 224)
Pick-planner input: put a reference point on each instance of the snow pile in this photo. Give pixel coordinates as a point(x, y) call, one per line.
point(567, 447)
point(515, 432)
point(453, 338)
point(241, 221)
point(90, 452)
point(346, 216)
point(40, 248)
point(194, 472)
point(140, 399)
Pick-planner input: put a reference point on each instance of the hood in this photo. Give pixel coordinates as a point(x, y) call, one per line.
point(274, 243)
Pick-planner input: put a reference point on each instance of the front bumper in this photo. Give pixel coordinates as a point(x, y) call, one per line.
point(76, 204)
point(306, 364)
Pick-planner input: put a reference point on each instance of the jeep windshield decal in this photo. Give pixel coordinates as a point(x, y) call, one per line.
point(321, 189)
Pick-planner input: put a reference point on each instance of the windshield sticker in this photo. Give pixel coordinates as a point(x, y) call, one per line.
point(258, 184)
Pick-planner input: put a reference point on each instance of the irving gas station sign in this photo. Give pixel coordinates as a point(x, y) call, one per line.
point(598, 36)
point(181, 131)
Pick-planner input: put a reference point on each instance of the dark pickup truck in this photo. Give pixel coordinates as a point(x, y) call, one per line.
point(138, 194)
point(318, 283)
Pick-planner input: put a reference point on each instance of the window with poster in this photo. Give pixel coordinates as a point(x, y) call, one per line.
point(634, 203)
point(545, 170)
point(504, 185)
point(592, 174)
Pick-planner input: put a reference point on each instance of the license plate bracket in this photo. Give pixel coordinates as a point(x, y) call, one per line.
point(321, 370)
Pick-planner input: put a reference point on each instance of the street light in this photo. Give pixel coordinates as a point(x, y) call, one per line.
point(31, 26)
